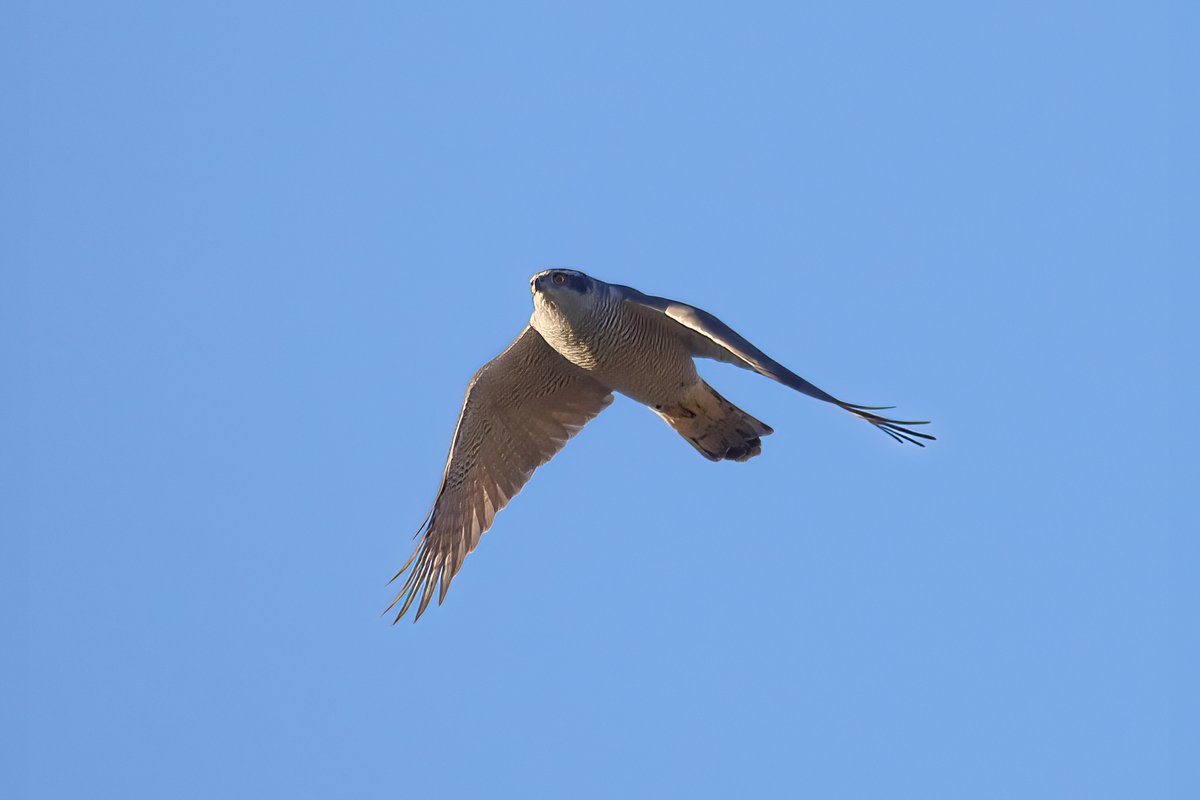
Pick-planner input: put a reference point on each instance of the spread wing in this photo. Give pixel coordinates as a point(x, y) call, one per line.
point(711, 338)
point(521, 408)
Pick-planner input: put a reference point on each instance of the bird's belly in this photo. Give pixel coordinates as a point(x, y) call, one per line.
point(654, 377)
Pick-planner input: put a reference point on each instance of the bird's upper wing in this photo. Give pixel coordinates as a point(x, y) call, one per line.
point(711, 338)
point(521, 408)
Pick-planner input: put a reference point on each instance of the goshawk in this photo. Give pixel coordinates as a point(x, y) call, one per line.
point(585, 340)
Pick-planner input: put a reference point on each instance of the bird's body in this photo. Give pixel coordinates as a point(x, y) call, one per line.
point(640, 353)
point(585, 340)
point(623, 348)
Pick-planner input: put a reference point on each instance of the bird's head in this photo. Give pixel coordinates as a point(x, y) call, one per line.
point(566, 290)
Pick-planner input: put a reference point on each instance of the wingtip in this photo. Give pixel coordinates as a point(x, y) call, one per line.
point(868, 408)
point(902, 435)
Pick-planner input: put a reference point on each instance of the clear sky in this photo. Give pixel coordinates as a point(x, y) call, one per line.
point(267, 248)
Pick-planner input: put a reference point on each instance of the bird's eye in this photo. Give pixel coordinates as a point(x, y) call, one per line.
point(559, 278)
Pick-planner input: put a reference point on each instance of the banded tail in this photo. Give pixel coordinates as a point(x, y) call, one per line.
point(714, 426)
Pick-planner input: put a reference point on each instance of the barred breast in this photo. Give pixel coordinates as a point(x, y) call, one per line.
point(637, 354)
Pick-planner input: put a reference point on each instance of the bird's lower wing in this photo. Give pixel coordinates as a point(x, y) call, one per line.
point(711, 338)
point(520, 410)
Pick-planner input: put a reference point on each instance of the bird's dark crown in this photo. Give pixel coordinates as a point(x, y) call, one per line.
point(571, 279)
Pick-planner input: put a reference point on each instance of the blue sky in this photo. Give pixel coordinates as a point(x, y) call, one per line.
point(266, 248)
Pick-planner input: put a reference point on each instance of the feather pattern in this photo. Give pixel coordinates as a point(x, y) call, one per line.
point(520, 409)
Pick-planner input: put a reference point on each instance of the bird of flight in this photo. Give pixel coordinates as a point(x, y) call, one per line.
point(585, 340)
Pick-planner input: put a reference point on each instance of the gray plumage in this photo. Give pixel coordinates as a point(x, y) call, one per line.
point(585, 340)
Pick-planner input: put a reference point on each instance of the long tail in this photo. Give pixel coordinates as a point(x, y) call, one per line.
point(714, 426)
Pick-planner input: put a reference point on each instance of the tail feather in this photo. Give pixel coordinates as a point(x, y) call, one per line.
point(714, 426)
